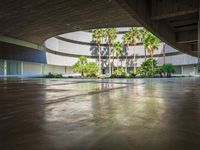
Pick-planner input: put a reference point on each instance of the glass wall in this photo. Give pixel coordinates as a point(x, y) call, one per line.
point(13, 67)
point(177, 69)
point(1, 67)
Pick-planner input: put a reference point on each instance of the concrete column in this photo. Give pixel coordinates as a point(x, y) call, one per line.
point(40, 47)
point(5, 68)
point(164, 53)
point(199, 43)
point(182, 70)
point(194, 70)
point(42, 69)
point(22, 68)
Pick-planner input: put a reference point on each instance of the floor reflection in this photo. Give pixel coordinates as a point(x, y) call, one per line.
point(100, 114)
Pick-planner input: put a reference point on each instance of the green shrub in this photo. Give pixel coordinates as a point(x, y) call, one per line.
point(159, 71)
point(120, 73)
point(79, 66)
point(88, 69)
point(147, 69)
point(138, 72)
point(168, 69)
point(58, 75)
point(51, 75)
point(91, 69)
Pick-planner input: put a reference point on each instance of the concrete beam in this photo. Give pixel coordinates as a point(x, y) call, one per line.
point(187, 36)
point(174, 14)
point(186, 27)
point(195, 47)
point(170, 8)
point(186, 21)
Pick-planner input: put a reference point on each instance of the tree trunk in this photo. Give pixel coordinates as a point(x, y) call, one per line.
point(117, 62)
point(99, 47)
point(169, 74)
point(152, 65)
point(134, 62)
point(161, 75)
point(164, 55)
point(145, 54)
point(145, 58)
point(126, 65)
point(109, 61)
point(113, 66)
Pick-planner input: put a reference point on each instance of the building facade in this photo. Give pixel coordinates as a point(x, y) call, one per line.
point(59, 53)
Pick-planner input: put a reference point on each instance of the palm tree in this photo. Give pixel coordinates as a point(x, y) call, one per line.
point(151, 43)
point(142, 36)
point(98, 35)
point(127, 42)
point(117, 51)
point(135, 36)
point(111, 35)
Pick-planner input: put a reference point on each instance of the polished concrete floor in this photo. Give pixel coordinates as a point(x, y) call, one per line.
point(126, 114)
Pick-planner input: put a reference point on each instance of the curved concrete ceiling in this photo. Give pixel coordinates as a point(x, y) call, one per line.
point(175, 22)
point(36, 21)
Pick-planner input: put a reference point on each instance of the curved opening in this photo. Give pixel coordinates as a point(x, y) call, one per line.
point(73, 45)
point(82, 43)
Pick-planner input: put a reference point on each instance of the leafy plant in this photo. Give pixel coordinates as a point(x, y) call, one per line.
point(52, 75)
point(159, 71)
point(145, 69)
point(120, 73)
point(168, 69)
point(79, 66)
point(86, 68)
point(91, 69)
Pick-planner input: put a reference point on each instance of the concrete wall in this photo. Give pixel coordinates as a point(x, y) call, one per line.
point(54, 69)
point(58, 45)
point(69, 70)
point(18, 42)
point(32, 69)
point(189, 70)
point(58, 60)
point(178, 69)
point(68, 47)
point(81, 36)
point(35, 69)
point(21, 53)
point(182, 59)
